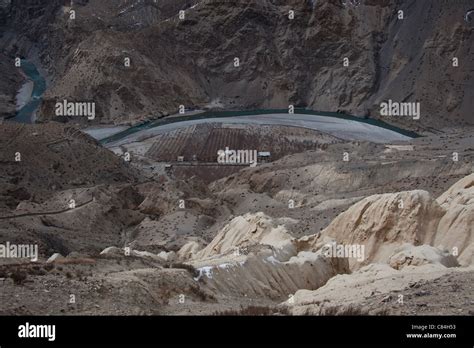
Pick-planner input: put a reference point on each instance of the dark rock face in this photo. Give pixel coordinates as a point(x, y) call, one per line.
point(4, 11)
point(10, 81)
point(283, 61)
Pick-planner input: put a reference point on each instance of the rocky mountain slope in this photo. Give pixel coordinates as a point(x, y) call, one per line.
point(283, 61)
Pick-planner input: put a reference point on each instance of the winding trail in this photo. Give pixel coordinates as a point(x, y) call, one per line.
point(54, 212)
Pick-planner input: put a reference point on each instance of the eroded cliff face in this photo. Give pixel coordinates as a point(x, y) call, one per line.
point(282, 61)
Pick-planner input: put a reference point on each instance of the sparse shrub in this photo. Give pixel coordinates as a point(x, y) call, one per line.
point(36, 270)
point(18, 276)
point(48, 267)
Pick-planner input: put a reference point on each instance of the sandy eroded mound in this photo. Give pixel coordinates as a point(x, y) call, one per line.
point(456, 227)
point(420, 239)
point(383, 222)
point(255, 256)
point(401, 233)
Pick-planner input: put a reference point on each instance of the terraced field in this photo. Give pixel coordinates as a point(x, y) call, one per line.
point(201, 143)
point(169, 146)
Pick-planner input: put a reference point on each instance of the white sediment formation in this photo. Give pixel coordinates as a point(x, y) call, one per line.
point(404, 236)
point(419, 239)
